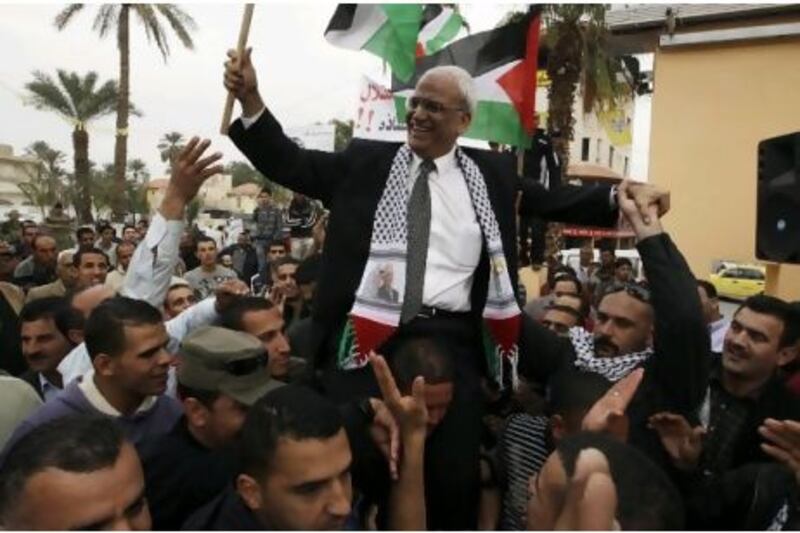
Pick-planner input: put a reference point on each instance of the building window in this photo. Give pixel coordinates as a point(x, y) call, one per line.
point(610, 157)
point(585, 149)
point(598, 150)
point(625, 168)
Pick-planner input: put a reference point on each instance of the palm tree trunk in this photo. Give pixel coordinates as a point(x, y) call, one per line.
point(80, 145)
point(123, 103)
point(564, 71)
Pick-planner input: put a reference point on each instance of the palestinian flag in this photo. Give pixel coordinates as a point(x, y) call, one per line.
point(387, 30)
point(503, 63)
point(440, 25)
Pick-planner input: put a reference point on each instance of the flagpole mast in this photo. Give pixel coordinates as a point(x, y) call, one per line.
point(244, 31)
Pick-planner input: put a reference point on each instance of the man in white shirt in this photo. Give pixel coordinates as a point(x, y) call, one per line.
point(107, 245)
point(150, 271)
point(116, 278)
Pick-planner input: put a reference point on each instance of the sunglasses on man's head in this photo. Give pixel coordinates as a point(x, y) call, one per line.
point(633, 289)
point(429, 106)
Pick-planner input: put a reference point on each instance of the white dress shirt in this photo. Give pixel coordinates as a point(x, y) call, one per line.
point(456, 241)
point(151, 267)
point(718, 330)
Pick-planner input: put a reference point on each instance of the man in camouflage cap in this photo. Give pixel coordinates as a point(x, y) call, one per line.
point(221, 373)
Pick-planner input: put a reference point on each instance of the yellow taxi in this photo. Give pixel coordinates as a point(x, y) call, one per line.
point(739, 281)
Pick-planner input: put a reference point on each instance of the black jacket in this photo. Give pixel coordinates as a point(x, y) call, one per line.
point(183, 476)
point(746, 498)
point(350, 184)
point(226, 512)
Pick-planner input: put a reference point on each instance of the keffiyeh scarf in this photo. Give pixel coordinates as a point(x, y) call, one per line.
point(611, 368)
point(379, 299)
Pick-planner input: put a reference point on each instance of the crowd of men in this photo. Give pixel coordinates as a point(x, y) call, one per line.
point(377, 369)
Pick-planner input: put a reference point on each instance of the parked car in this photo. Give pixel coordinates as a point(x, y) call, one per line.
point(739, 281)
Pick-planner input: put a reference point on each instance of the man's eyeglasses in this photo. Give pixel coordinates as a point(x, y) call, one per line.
point(633, 289)
point(244, 367)
point(429, 106)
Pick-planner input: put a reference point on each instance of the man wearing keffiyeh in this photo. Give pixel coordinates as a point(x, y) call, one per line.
point(660, 328)
point(442, 219)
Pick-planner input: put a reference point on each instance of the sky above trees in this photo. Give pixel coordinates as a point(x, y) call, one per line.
point(302, 77)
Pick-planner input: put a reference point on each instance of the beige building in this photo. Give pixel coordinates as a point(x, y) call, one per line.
point(601, 139)
point(216, 193)
point(725, 79)
point(14, 169)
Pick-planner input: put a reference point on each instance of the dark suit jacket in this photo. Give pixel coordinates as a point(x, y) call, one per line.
point(350, 184)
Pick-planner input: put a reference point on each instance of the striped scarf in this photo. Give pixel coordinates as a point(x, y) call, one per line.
point(611, 368)
point(376, 311)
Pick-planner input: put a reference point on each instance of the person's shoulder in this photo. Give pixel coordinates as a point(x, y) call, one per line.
point(193, 273)
point(227, 272)
point(360, 146)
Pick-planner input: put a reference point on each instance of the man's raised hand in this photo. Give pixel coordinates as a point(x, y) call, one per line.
point(410, 412)
point(646, 195)
point(240, 79)
point(189, 172)
point(783, 444)
point(683, 443)
point(644, 220)
point(228, 292)
point(607, 415)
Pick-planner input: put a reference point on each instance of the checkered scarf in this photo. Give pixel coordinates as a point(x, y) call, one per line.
point(611, 368)
point(379, 299)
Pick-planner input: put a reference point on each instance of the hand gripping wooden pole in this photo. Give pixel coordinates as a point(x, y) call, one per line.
point(244, 30)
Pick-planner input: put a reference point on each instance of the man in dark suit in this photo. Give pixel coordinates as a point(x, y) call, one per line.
point(444, 218)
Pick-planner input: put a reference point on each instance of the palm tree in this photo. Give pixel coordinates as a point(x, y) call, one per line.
point(170, 146)
point(118, 15)
point(576, 38)
point(78, 100)
point(138, 169)
point(50, 167)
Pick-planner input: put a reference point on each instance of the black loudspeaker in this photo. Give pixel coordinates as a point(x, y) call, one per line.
point(778, 211)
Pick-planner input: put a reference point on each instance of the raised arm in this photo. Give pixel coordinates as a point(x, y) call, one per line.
point(156, 257)
point(260, 137)
point(681, 362)
point(407, 494)
point(590, 206)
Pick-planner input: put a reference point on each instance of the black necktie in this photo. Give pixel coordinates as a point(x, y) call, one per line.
point(419, 229)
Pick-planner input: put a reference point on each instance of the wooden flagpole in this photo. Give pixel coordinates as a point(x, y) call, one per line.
point(244, 31)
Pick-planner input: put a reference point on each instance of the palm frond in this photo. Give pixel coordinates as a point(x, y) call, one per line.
point(180, 21)
point(152, 27)
point(107, 16)
point(46, 95)
point(77, 90)
point(63, 18)
point(101, 102)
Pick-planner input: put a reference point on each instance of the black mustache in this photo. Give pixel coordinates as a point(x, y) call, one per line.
point(605, 342)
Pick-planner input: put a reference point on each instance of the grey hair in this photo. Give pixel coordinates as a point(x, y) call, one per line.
point(462, 78)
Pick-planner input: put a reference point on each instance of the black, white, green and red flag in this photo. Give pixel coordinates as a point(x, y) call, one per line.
point(440, 25)
point(387, 30)
point(503, 63)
